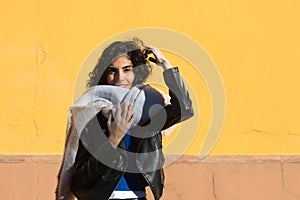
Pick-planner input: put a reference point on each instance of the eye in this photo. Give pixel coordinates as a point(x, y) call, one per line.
point(127, 69)
point(110, 71)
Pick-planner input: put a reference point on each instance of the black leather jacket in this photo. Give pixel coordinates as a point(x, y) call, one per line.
point(94, 180)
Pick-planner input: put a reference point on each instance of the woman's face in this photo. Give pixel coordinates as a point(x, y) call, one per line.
point(120, 73)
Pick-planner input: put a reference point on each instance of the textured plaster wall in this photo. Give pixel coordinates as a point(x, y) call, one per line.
point(254, 44)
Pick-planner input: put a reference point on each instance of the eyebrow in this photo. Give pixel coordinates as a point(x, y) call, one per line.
point(126, 66)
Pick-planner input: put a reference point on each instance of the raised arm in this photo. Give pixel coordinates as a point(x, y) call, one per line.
point(180, 108)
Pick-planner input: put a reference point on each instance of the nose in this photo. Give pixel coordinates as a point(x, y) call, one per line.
point(119, 75)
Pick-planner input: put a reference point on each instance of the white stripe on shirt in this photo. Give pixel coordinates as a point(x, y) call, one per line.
point(127, 194)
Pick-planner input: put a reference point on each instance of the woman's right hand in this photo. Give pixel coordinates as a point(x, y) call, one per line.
point(123, 119)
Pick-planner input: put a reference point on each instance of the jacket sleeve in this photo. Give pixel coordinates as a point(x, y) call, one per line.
point(94, 156)
point(180, 108)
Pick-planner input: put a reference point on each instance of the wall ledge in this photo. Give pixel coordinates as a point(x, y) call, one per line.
point(169, 158)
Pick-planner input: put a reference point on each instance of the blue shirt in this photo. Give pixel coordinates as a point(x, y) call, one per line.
point(131, 181)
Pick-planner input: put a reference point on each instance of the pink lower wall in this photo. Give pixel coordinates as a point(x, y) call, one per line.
point(190, 177)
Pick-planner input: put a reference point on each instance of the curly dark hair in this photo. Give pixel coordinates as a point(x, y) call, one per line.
point(134, 49)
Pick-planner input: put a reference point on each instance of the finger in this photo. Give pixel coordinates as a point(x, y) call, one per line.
point(147, 52)
point(109, 121)
point(129, 112)
point(131, 120)
point(125, 109)
point(150, 47)
point(118, 111)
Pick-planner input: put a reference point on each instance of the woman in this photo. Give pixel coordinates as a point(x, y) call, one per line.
point(126, 64)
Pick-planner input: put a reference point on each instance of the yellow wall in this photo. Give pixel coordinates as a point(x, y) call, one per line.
point(255, 45)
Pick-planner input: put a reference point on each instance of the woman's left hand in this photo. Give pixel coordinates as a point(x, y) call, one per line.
point(159, 58)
